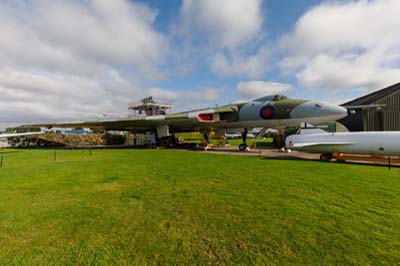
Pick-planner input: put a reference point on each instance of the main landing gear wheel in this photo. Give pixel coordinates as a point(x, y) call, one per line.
point(325, 157)
point(243, 147)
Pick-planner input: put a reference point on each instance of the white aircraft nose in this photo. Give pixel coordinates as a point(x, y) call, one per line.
point(326, 111)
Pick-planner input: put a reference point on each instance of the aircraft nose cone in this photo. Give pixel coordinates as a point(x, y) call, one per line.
point(328, 112)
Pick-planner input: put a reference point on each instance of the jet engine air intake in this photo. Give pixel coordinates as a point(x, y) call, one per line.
point(205, 117)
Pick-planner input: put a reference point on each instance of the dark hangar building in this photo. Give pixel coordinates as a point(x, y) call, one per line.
point(377, 111)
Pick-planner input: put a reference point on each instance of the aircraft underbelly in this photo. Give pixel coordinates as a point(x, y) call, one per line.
point(242, 124)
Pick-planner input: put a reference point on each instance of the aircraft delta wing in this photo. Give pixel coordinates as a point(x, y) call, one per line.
point(12, 135)
point(178, 122)
point(275, 111)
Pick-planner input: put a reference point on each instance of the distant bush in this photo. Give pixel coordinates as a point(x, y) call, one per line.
point(112, 139)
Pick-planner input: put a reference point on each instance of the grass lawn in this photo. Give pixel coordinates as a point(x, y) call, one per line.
point(151, 207)
point(267, 142)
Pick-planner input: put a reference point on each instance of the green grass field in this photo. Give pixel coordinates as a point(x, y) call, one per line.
point(160, 207)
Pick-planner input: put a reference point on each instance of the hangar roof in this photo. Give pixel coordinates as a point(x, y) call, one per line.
point(374, 97)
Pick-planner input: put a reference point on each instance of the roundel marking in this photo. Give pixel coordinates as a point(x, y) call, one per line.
point(267, 112)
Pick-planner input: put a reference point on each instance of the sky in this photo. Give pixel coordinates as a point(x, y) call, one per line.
point(77, 60)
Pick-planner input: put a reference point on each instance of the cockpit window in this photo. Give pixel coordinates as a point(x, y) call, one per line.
point(274, 98)
point(279, 97)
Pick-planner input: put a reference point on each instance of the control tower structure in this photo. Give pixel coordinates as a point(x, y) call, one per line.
point(148, 107)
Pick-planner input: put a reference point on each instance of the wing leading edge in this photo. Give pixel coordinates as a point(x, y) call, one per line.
point(11, 135)
point(186, 121)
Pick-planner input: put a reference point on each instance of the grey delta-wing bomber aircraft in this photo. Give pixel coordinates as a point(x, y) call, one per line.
point(276, 111)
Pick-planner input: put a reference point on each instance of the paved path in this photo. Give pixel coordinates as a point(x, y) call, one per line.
point(272, 153)
point(266, 153)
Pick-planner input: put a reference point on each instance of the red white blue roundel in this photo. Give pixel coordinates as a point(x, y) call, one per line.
point(267, 112)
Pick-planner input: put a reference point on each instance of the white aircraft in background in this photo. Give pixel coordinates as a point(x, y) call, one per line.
point(371, 143)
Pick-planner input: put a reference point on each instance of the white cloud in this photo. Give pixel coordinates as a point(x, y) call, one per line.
point(262, 88)
point(82, 34)
point(29, 97)
point(206, 94)
point(225, 35)
point(241, 64)
point(345, 45)
point(325, 71)
point(75, 59)
point(225, 23)
point(164, 95)
point(186, 99)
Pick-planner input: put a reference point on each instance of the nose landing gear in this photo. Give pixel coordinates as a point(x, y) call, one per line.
point(243, 146)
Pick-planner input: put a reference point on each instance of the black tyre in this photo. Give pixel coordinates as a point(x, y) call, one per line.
point(325, 157)
point(242, 147)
